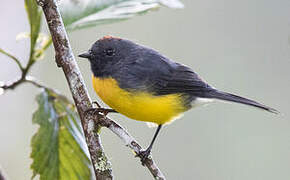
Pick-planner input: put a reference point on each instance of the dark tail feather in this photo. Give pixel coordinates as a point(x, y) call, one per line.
point(234, 98)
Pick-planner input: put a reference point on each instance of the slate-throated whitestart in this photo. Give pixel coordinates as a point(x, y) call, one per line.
point(144, 85)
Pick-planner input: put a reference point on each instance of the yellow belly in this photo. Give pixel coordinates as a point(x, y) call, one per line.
point(140, 106)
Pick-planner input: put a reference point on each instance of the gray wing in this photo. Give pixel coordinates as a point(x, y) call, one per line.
point(158, 75)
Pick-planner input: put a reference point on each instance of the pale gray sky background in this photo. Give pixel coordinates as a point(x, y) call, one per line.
point(237, 46)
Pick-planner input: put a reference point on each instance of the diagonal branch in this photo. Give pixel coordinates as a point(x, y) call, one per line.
point(65, 59)
point(90, 122)
point(132, 144)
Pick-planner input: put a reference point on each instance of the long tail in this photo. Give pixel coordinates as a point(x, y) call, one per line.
point(238, 99)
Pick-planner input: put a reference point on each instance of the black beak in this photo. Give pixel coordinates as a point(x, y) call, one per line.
point(85, 55)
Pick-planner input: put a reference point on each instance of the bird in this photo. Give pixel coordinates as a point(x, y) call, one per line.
point(144, 85)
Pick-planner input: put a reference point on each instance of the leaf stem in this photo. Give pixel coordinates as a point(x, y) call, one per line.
point(13, 58)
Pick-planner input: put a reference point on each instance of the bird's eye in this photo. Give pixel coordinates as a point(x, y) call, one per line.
point(109, 52)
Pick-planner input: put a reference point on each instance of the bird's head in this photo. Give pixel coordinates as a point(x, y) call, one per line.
point(106, 54)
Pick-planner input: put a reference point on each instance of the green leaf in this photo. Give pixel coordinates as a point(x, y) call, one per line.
point(83, 13)
point(58, 148)
point(34, 17)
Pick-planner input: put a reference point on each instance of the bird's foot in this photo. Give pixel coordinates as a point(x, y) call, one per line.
point(144, 155)
point(91, 111)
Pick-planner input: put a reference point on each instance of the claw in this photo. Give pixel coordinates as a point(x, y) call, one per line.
point(144, 155)
point(96, 103)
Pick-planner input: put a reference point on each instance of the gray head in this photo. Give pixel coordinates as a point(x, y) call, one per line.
point(108, 54)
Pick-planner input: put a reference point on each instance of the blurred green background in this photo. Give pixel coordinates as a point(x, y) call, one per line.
point(237, 46)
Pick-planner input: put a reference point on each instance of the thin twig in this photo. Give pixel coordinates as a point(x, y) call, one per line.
point(12, 84)
point(34, 82)
point(132, 144)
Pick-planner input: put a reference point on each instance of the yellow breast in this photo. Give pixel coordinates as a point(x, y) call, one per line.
point(140, 106)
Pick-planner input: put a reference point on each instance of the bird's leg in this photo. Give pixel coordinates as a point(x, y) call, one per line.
point(144, 154)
